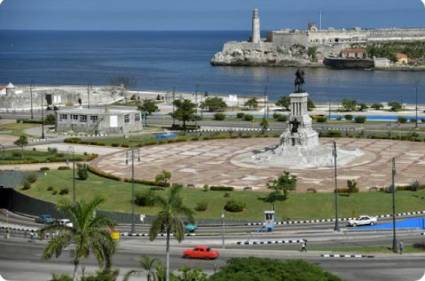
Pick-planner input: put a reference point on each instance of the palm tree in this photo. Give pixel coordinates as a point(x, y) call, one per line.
point(169, 219)
point(149, 265)
point(88, 233)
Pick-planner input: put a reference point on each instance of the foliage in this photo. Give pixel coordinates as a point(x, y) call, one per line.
point(248, 117)
point(145, 199)
point(240, 115)
point(402, 119)
point(214, 104)
point(264, 124)
point(22, 141)
point(280, 117)
point(312, 53)
point(252, 103)
point(321, 119)
point(362, 107)
point(148, 106)
point(283, 184)
point(414, 50)
point(221, 188)
point(64, 191)
point(201, 206)
point(102, 275)
point(26, 185)
point(82, 171)
point(377, 106)
point(274, 196)
point(284, 102)
point(31, 178)
point(50, 119)
point(163, 178)
point(234, 206)
point(62, 277)
point(260, 269)
point(185, 111)
point(219, 116)
point(352, 186)
point(188, 274)
point(395, 106)
point(360, 119)
point(348, 117)
point(349, 105)
point(89, 234)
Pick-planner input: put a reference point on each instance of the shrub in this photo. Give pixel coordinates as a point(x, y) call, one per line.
point(201, 206)
point(226, 195)
point(26, 186)
point(348, 117)
point(248, 117)
point(62, 168)
point(82, 171)
point(64, 191)
point(377, 106)
point(205, 188)
point(62, 277)
point(240, 115)
point(352, 186)
point(395, 106)
point(234, 206)
point(50, 119)
point(44, 169)
point(311, 190)
point(219, 116)
point(321, 119)
point(333, 134)
point(221, 188)
point(52, 150)
point(360, 119)
point(145, 199)
point(72, 140)
point(163, 178)
point(31, 178)
point(274, 196)
point(402, 119)
point(50, 188)
point(54, 192)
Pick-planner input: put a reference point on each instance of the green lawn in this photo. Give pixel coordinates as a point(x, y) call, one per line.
point(15, 156)
point(298, 206)
point(16, 129)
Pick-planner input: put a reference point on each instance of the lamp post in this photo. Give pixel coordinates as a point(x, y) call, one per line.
point(42, 115)
point(336, 228)
point(223, 230)
point(174, 109)
point(32, 110)
point(416, 108)
point(74, 195)
point(393, 190)
point(132, 153)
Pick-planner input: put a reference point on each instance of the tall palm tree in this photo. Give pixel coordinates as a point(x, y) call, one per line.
point(169, 219)
point(148, 264)
point(89, 234)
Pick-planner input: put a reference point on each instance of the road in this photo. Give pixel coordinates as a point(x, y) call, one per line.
point(28, 257)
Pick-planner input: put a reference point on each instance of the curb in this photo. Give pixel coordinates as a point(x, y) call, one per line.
point(128, 234)
point(23, 229)
point(270, 242)
point(405, 214)
point(346, 256)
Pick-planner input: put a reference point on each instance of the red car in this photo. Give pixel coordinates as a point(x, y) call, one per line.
point(201, 252)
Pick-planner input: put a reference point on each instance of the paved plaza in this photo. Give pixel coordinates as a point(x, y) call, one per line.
point(216, 163)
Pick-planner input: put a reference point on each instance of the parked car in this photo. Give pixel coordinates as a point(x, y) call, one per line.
point(201, 252)
point(190, 227)
point(45, 219)
point(363, 220)
point(65, 222)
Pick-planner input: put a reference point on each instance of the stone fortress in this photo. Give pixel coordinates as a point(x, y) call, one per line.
point(290, 47)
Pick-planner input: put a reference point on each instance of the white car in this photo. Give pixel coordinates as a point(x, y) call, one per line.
point(65, 222)
point(363, 220)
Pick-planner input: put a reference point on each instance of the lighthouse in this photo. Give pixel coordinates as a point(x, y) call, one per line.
point(255, 37)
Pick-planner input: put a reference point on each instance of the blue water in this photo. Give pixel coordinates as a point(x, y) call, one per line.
point(384, 118)
point(413, 223)
point(163, 60)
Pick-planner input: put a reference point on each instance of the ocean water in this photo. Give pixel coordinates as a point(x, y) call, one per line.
point(164, 60)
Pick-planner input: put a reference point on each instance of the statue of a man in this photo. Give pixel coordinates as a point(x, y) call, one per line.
point(299, 81)
point(294, 126)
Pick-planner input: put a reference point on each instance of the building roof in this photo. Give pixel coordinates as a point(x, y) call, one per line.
point(353, 50)
point(400, 56)
point(97, 110)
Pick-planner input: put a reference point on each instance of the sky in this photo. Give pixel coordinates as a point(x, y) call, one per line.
point(205, 14)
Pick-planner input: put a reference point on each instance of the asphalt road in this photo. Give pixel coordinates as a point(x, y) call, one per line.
point(20, 259)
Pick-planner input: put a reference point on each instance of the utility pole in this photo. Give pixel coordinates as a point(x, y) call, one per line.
point(74, 195)
point(32, 110)
point(196, 102)
point(393, 189)
point(174, 98)
point(132, 191)
point(88, 95)
point(266, 103)
point(223, 230)
point(42, 116)
point(336, 228)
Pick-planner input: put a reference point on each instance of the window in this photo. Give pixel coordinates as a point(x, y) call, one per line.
point(127, 118)
point(137, 117)
point(83, 118)
point(63, 116)
point(93, 118)
point(74, 117)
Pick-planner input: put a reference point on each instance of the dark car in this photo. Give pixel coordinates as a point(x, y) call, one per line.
point(45, 219)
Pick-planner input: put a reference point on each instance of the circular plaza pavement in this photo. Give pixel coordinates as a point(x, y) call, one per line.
point(215, 163)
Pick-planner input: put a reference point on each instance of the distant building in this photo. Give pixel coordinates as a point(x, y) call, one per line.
point(353, 53)
point(401, 58)
point(99, 120)
point(381, 62)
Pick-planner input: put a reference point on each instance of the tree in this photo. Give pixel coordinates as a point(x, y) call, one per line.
point(90, 234)
point(395, 106)
point(283, 184)
point(163, 178)
point(22, 141)
point(185, 111)
point(252, 103)
point(377, 106)
point(362, 107)
point(82, 171)
point(349, 105)
point(214, 104)
point(169, 219)
point(284, 102)
point(312, 53)
point(148, 106)
point(148, 265)
point(310, 104)
point(264, 125)
point(50, 119)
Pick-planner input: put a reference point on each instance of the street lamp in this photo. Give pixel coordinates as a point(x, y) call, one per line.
point(393, 190)
point(42, 115)
point(32, 110)
point(223, 229)
point(72, 152)
point(131, 152)
point(416, 122)
point(336, 228)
